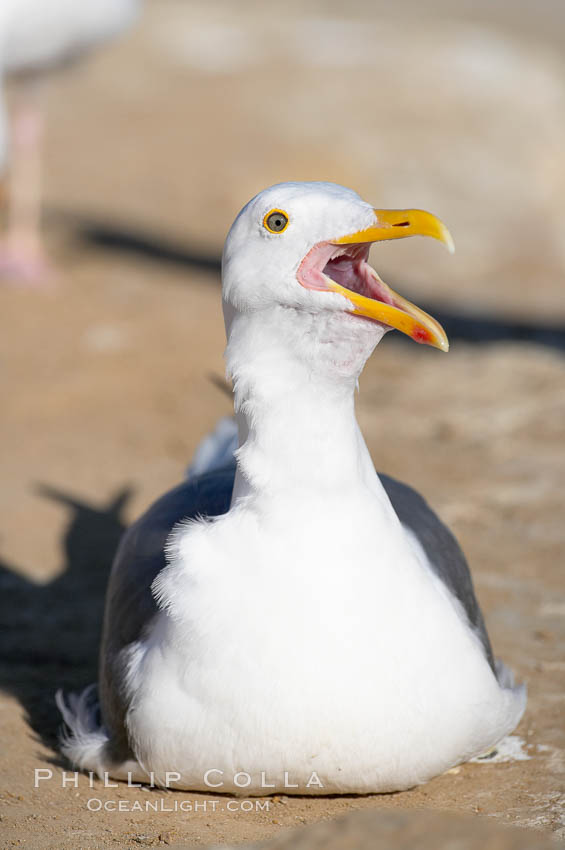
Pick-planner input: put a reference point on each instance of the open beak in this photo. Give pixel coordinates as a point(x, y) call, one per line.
point(340, 265)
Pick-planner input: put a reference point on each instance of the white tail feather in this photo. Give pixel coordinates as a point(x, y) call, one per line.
point(504, 674)
point(84, 741)
point(216, 449)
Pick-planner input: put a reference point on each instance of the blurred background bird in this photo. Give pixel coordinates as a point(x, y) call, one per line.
point(37, 37)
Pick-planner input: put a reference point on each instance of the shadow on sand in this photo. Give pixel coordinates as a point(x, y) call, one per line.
point(52, 631)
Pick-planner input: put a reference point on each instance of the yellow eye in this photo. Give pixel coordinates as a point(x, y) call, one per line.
point(276, 221)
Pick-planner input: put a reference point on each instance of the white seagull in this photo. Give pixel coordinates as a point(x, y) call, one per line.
point(293, 622)
point(37, 36)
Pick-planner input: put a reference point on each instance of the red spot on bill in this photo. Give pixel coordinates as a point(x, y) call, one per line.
point(422, 335)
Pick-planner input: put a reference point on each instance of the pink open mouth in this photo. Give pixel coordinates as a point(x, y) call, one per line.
point(346, 265)
point(342, 267)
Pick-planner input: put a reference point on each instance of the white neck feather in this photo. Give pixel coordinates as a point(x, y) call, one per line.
point(294, 377)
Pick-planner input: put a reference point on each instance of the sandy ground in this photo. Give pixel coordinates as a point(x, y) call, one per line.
point(108, 379)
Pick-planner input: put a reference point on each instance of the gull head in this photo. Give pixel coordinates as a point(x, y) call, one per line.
point(305, 247)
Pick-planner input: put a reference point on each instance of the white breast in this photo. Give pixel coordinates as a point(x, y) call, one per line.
point(271, 656)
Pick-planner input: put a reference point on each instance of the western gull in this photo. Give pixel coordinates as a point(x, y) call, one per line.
point(292, 621)
point(35, 37)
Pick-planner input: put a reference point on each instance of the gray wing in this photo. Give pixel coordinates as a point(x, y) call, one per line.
point(130, 605)
point(442, 549)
